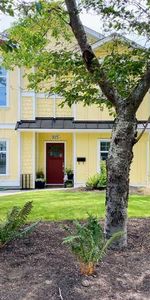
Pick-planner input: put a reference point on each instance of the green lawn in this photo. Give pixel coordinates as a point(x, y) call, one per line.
point(64, 205)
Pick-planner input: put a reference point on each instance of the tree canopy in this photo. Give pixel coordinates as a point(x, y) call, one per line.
point(50, 37)
point(42, 38)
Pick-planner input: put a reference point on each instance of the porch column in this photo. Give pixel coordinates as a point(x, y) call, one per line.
point(19, 159)
point(33, 160)
point(148, 161)
point(74, 157)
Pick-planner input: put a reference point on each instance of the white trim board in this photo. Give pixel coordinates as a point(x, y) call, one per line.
point(74, 157)
point(19, 157)
point(33, 160)
point(93, 32)
point(116, 36)
point(9, 183)
point(19, 94)
point(41, 95)
point(98, 152)
point(140, 127)
point(65, 130)
point(7, 126)
point(79, 184)
point(7, 158)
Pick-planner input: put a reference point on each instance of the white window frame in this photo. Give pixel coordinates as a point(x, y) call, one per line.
point(7, 91)
point(7, 156)
point(99, 151)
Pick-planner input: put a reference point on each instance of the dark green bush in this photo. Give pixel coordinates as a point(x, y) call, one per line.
point(99, 180)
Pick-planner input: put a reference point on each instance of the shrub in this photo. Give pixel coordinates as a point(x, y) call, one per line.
point(68, 171)
point(13, 227)
point(40, 175)
point(98, 180)
point(88, 243)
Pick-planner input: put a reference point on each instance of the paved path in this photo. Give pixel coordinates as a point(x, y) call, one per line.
point(15, 192)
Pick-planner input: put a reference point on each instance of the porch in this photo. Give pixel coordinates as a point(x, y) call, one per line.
point(51, 146)
point(46, 153)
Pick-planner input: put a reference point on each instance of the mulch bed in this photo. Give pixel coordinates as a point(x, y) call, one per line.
point(39, 267)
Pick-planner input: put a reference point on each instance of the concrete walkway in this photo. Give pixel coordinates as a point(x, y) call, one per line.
point(15, 192)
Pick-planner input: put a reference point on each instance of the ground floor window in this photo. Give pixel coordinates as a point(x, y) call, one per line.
point(104, 148)
point(3, 157)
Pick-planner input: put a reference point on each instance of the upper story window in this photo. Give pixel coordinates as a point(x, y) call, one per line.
point(3, 88)
point(104, 148)
point(3, 157)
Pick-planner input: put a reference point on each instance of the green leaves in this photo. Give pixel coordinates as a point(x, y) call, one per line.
point(13, 227)
point(6, 6)
point(38, 6)
point(88, 242)
point(42, 38)
point(124, 15)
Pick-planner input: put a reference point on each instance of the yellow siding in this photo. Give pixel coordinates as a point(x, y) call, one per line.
point(27, 152)
point(12, 137)
point(44, 107)
point(42, 138)
point(24, 79)
point(92, 113)
point(107, 48)
point(86, 146)
point(139, 168)
point(65, 111)
point(144, 109)
point(91, 39)
point(27, 108)
point(9, 114)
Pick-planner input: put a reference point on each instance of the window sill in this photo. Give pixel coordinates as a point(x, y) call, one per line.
point(4, 175)
point(4, 107)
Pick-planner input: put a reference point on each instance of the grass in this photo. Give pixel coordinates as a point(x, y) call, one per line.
point(64, 205)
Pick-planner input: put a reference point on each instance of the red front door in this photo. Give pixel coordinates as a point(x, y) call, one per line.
point(54, 163)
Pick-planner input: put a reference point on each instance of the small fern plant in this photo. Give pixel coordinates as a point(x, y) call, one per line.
point(14, 227)
point(88, 243)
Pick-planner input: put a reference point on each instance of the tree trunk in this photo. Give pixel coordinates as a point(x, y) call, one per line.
point(118, 167)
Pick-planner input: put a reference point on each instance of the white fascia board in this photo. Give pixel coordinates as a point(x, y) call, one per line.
point(93, 32)
point(141, 126)
point(65, 130)
point(7, 126)
point(102, 42)
point(114, 37)
point(40, 95)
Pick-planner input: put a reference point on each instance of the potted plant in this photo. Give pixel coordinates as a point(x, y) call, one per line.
point(69, 173)
point(40, 180)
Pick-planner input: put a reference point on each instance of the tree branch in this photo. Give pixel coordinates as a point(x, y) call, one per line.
point(140, 90)
point(91, 62)
point(140, 135)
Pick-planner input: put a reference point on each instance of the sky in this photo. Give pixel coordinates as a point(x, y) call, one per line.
point(90, 20)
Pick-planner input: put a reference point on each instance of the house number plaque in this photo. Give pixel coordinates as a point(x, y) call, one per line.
point(55, 137)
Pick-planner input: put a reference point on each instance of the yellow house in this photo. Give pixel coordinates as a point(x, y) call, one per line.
point(36, 134)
